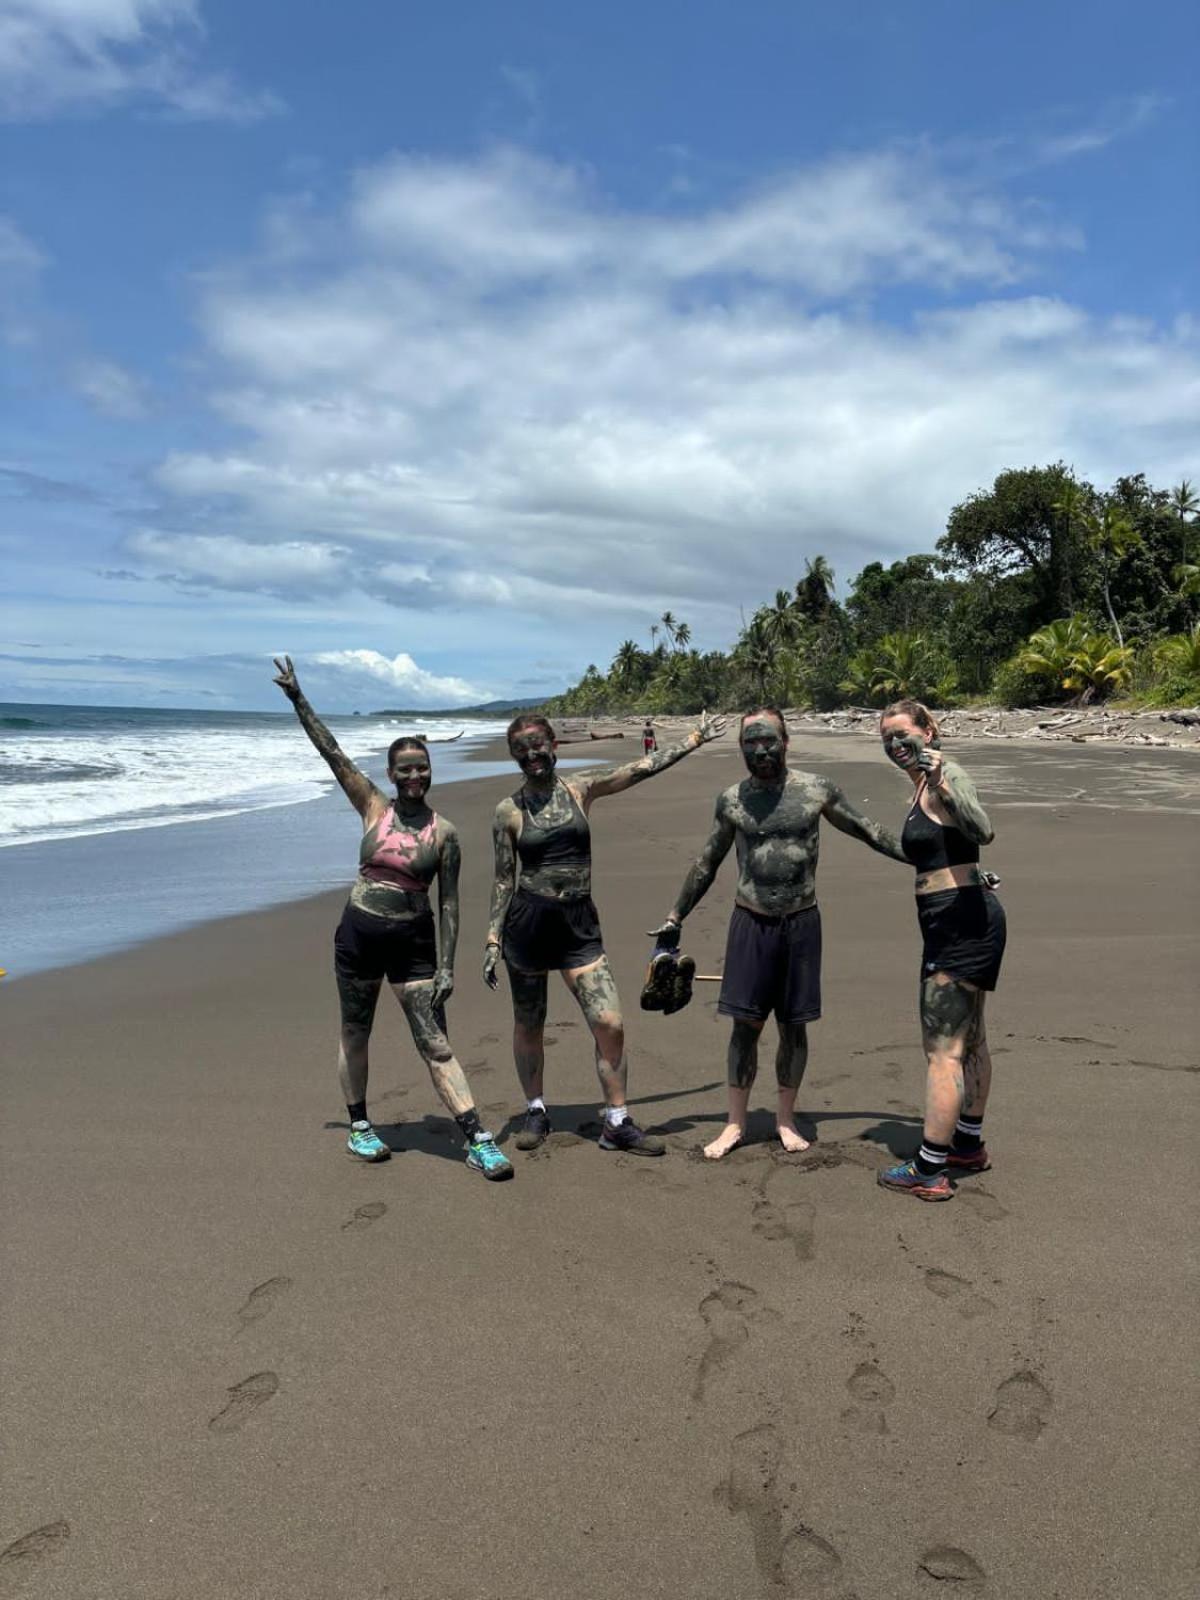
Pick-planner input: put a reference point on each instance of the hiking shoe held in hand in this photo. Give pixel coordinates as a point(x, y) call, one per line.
point(659, 987)
point(365, 1143)
point(485, 1155)
point(681, 986)
point(908, 1180)
point(535, 1130)
point(627, 1136)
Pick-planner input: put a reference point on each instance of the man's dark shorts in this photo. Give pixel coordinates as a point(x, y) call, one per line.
point(542, 934)
point(772, 964)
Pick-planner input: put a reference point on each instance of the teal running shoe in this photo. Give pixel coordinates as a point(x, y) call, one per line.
point(365, 1143)
point(484, 1155)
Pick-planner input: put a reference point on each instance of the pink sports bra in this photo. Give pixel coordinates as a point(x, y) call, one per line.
point(395, 855)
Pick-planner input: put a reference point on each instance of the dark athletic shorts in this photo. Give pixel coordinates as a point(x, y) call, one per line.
point(546, 935)
point(772, 964)
point(366, 946)
point(964, 933)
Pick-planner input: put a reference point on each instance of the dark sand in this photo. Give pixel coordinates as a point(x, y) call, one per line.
point(238, 1364)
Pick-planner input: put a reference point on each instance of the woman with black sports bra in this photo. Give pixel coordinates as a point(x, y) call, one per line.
point(546, 921)
point(387, 930)
point(963, 929)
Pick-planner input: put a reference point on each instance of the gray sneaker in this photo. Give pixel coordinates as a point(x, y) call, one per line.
point(535, 1130)
point(627, 1136)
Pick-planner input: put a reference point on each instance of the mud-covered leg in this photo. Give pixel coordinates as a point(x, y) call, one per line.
point(791, 1060)
point(595, 989)
point(742, 1063)
point(358, 998)
point(429, 1035)
point(951, 1015)
point(977, 1068)
point(529, 1029)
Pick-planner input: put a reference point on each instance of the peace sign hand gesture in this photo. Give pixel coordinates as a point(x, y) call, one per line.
point(287, 680)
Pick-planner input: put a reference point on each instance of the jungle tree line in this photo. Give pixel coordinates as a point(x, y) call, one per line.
point(1041, 588)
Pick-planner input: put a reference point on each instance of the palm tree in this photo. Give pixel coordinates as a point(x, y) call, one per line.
point(814, 591)
point(1071, 506)
point(1110, 535)
point(669, 625)
point(625, 661)
point(902, 665)
point(653, 637)
point(1074, 657)
point(757, 653)
point(683, 635)
point(1185, 502)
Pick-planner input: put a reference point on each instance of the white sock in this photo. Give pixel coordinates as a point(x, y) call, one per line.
point(615, 1116)
point(359, 1126)
point(537, 1104)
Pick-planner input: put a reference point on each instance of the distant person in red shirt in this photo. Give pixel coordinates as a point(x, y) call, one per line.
point(649, 742)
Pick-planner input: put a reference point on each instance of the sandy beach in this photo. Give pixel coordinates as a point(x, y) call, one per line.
point(239, 1364)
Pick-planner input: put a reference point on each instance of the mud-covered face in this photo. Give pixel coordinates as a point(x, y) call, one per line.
point(535, 752)
point(764, 748)
point(903, 741)
point(411, 773)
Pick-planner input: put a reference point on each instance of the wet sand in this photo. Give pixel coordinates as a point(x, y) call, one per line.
point(239, 1364)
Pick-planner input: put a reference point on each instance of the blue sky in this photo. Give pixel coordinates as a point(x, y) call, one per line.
point(447, 347)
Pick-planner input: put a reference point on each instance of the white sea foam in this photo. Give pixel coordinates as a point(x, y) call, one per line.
point(62, 783)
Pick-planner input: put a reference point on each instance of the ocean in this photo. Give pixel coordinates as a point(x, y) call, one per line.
point(118, 825)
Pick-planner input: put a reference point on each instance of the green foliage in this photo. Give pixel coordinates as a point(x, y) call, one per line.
point(1041, 587)
point(1069, 654)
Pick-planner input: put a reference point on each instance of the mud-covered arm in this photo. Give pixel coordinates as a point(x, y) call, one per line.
point(849, 819)
point(960, 798)
point(504, 884)
point(704, 869)
point(613, 780)
point(357, 787)
point(449, 866)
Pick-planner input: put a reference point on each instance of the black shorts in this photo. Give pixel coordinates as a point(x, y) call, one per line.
point(964, 933)
point(772, 964)
point(546, 935)
point(369, 947)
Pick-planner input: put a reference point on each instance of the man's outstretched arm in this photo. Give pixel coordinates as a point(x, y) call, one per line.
point(705, 867)
point(849, 819)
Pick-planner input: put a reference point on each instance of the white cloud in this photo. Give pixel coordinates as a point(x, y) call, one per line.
point(111, 389)
point(59, 55)
point(501, 392)
point(402, 673)
point(281, 567)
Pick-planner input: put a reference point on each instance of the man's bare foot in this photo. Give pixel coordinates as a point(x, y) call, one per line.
point(790, 1139)
point(728, 1139)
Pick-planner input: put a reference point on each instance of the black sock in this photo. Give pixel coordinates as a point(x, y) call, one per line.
point(968, 1135)
point(358, 1111)
point(470, 1124)
point(931, 1158)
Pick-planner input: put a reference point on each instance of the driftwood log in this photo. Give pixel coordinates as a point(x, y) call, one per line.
point(1189, 719)
point(589, 738)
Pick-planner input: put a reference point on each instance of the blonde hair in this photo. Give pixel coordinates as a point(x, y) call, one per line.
point(919, 713)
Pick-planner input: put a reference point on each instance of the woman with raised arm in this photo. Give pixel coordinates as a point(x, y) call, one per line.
point(387, 930)
point(963, 926)
point(543, 918)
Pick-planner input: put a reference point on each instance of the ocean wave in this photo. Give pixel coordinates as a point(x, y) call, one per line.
point(22, 722)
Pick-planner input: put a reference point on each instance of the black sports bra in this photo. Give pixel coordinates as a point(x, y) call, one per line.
point(930, 845)
point(561, 844)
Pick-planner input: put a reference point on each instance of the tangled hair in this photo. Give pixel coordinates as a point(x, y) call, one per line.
point(407, 741)
point(919, 713)
point(771, 711)
point(529, 719)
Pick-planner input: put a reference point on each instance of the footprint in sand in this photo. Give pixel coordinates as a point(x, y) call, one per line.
point(872, 1389)
point(19, 1559)
point(244, 1400)
point(1022, 1407)
point(791, 1219)
point(392, 1094)
point(983, 1204)
point(561, 1140)
point(728, 1313)
point(488, 1038)
point(958, 1292)
point(364, 1216)
point(477, 1068)
point(263, 1298)
point(797, 1564)
point(948, 1564)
